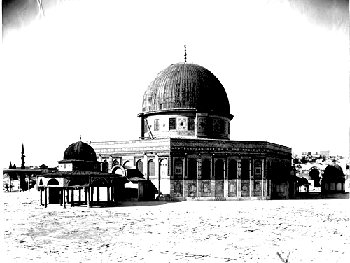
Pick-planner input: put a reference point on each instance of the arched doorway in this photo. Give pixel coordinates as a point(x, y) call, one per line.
point(118, 170)
point(178, 169)
point(315, 176)
point(54, 192)
point(257, 170)
point(139, 166)
point(206, 169)
point(192, 169)
point(232, 170)
point(232, 176)
point(163, 167)
point(192, 175)
point(245, 169)
point(151, 171)
point(219, 178)
point(245, 183)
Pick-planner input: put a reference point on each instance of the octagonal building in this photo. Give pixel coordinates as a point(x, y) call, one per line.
point(185, 100)
point(185, 149)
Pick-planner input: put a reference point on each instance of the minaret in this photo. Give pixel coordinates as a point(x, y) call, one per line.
point(185, 54)
point(22, 157)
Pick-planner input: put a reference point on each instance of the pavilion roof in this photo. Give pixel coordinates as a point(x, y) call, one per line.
point(79, 173)
point(19, 170)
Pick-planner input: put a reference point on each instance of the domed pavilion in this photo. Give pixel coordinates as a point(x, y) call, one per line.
point(80, 180)
point(185, 149)
point(333, 180)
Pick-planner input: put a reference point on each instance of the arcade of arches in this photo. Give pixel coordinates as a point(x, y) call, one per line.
point(217, 177)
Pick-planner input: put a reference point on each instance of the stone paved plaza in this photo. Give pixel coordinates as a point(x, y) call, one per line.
point(202, 231)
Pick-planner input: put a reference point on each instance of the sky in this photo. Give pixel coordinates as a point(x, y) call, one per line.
point(83, 68)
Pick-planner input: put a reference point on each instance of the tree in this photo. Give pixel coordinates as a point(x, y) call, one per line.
point(43, 166)
point(304, 160)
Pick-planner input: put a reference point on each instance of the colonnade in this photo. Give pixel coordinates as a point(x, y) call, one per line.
point(65, 195)
point(218, 176)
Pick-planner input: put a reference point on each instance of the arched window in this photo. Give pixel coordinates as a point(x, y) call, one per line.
point(178, 169)
point(275, 170)
point(206, 169)
point(151, 169)
point(52, 182)
point(192, 169)
point(156, 125)
point(118, 170)
point(232, 170)
point(268, 170)
point(41, 182)
point(219, 170)
point(245, 169)
point(163, 166)
point(257, 169)
point(139, 165)
point(115, 162)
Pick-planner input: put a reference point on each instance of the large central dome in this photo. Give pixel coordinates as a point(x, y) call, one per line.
point(185, 86)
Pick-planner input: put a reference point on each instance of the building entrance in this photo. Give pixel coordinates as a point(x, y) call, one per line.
point(54, 195)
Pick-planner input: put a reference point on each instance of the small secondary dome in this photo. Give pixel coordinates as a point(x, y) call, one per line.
point(185, 86)
point(80, 151)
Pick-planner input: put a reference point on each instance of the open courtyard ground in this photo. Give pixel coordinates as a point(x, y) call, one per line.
point(203, 231)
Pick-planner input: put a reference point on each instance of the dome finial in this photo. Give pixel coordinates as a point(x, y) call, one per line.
point(80, 138)
point(185, 54)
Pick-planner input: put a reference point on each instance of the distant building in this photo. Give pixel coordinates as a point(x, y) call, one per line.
point(325, 153)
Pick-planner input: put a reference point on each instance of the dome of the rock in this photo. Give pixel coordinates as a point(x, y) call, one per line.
point(187, 87)
point(185, 100)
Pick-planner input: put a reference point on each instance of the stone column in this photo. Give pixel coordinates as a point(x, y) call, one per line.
point(91, 197)
point(262, 177)
point(185, 177)
point(110, 163)
point(212, 176)
point(88, 196)
point(108, 198)
point(45, 197)
point(225, 177)
point(48, 195)
point(85, 193)
point(250, 177)
point(145, 166)
point(67, 196)
point(199, 174)
point(239, 186)
point(157, 170)
point(64, 197)
point(41, 195)
point(171, 176)
point(72, 197)
point(98, 195)
point(79, 195)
